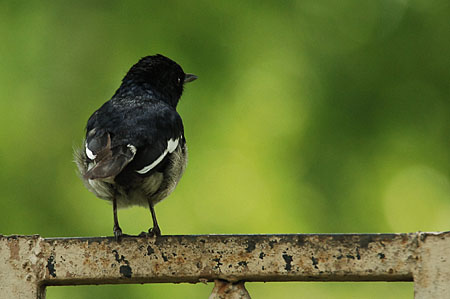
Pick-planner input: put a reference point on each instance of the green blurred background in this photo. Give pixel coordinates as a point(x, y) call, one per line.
point(307, 117)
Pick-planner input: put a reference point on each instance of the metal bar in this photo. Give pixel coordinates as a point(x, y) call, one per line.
point(29, 263)
point(227, 290)
point(21, 267)
point(432, 271)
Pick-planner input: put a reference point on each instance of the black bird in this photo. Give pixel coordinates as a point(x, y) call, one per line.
point(135, 152)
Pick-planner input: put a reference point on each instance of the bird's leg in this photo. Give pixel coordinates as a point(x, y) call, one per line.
point(154, 231)
point(117, 230)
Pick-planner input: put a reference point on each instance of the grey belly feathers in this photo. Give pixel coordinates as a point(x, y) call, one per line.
point(141, 190)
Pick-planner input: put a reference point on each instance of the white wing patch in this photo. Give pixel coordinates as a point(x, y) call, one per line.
point(90, 154)
point(132, 149)
point(171, 146)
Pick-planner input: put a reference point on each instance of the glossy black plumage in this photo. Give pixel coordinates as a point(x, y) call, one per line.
point(135, 151)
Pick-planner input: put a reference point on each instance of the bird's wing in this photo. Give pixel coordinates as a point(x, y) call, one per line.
point(108, 161)
point(159, 133)
point(140, 142)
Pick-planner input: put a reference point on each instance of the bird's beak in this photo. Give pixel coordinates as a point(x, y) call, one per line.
point(189, 78)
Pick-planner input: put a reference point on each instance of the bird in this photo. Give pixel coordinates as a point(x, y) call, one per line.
point(134, 151)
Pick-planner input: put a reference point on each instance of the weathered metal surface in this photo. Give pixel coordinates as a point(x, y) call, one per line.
point(233, 258)
point(28, 262)
point(21, 267)
point(432, 272)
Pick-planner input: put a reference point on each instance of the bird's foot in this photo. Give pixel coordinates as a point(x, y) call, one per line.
point(152, 232)
point(155, 231)
point(117, 233)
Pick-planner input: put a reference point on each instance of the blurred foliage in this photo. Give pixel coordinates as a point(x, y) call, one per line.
point(308, 117)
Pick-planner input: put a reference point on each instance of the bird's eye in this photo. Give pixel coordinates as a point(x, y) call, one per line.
point(179, 80)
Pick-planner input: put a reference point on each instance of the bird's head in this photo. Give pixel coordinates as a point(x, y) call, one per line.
point(159, 74)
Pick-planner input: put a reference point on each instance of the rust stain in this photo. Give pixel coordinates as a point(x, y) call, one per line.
point(179, 260)
point(14, 249)
point(156, 268)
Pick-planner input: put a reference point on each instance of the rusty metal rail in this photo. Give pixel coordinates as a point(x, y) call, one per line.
point(30, 263)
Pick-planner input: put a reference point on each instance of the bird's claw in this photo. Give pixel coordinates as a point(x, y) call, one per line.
point(117, 233)
point(152, 232)
point(155, 231)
